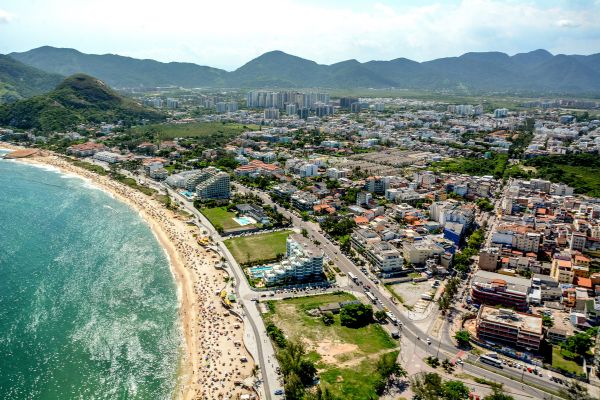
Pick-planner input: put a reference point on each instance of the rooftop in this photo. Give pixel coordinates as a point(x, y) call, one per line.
point(526, 322)
point(512, 283)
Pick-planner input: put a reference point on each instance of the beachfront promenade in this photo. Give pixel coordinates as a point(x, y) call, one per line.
point(261, 346)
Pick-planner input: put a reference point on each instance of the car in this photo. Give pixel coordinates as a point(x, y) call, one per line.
point(428, 341)
point(278, 392)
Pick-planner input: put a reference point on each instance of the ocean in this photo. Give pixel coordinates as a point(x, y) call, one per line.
point(88, 305)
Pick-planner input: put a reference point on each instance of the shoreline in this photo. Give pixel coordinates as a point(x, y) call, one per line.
point(197, 281)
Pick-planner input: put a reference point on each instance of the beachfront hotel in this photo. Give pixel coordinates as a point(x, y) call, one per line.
point(303, 261)
point(208, 183)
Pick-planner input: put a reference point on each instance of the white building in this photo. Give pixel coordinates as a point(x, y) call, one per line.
point(107, 156)
point(271, 113)
point(303, 261)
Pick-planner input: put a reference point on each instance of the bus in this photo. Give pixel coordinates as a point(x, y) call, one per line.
point(392, 317)
point(371, 297)
point(491, 361)
point(352, 276)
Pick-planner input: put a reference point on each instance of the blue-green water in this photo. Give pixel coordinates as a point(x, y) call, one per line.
point(88, 306)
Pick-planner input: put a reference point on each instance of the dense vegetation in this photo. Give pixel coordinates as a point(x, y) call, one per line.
point(581, 171)
point(495, 165)
point(18, 81)
point(536, 71)
point(205, 134)
point(298, 371)
point(79, 99)
point(356, 315)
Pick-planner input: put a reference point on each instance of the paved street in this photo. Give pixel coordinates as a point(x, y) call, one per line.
point(410, 331)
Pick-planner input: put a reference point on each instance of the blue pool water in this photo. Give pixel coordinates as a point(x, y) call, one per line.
point(243, 221)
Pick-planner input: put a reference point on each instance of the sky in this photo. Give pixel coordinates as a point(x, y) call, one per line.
point(227, 34)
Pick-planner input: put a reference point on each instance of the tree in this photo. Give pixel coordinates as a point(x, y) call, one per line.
point(380, 315)
point(580, 343)
point(292, 360)
point(447, 365)
point(484, 204)
point(433, 362)
point(547, 321)
point(462, 337)
point(320, 394)
point(328, 318)
point(498, 394)
point(293, 387)
point(427, 386)
point(356, 315)
point(276, 335)
point(455, 390)
point(575, 391)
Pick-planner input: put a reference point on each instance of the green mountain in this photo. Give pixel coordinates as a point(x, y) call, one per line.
point(536, 72)
point(18, 80)
point(77, 99)
point(119, 71)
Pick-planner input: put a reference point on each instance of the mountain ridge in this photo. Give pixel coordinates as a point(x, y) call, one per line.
point(18, 80)
point(472, 71)
point(77, 99)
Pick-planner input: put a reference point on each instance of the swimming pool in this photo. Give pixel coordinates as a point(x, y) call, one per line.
point(259, 272)
point(243, 221)
point(188, 195)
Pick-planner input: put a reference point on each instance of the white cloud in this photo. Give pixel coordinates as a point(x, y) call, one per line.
point(5, 17)
point(211, 33)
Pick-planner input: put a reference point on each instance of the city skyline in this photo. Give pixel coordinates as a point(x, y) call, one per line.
point(208, 34)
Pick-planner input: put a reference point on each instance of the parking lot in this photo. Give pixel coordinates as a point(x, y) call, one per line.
point(411, 293)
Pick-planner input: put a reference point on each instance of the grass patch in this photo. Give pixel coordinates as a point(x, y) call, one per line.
point(346, 357)
point(216, 133)
point(390, 289)
point(132, 183)
point(219, 216)
point(351, 383)
point(86, 165)
point(558, 361)
point(474, 165)
point(257, 247)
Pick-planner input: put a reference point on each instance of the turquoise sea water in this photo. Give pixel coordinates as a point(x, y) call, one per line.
point(88, 305)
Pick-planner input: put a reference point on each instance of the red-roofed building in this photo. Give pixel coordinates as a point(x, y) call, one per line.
point(584, 282)
point(361, 220)
point(257, 167)
point(86, 149)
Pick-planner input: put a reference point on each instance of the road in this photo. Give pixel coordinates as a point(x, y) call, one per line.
point(409, 329)
point(265, 353)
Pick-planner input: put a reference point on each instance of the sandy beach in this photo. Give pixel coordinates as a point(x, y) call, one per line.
point(211, 367)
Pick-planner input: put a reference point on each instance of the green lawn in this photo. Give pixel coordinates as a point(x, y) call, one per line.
point(217, 132)
point(346, 358)
point(558, 361)
point(219, 216)
point(264, 246)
